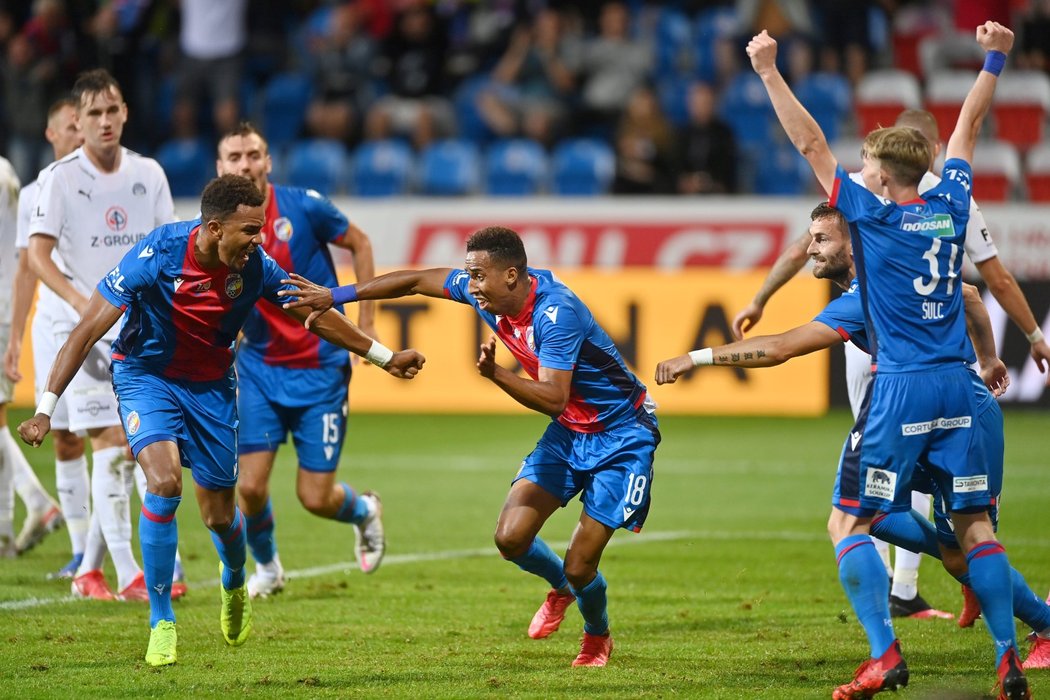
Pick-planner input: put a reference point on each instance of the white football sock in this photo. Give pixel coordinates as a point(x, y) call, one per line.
point(109, 491)
point(906, 563)
point(7, 496)
point(28, 487)
point(74, 497)
point(884, 553)
point(94, 547)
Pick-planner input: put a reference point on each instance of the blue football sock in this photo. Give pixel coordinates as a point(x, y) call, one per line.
point(990, 579)
point(1029, 608)
point(593, 606)
point(159, 539)
point(231, 544)
point(909, 530)
point(863, 578)
point(541, 560)
point(260, 534)
point(354, 509)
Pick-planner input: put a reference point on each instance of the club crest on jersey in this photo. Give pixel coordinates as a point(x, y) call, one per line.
point(938, 225)
point(282, 228)
point(133, 422)
point(138, 189)
point(234, 286)
point(116, 218)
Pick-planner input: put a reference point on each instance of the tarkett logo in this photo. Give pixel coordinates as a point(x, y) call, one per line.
point(938, 225)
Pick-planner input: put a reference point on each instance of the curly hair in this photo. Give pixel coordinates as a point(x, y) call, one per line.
point(502, 244)
point(223, 195)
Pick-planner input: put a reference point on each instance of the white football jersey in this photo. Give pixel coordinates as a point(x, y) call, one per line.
point(8, 234)
point(95, 217)
point(47, 302)
point(979, 244)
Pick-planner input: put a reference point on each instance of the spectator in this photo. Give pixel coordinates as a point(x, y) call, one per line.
point(1035, 37)
point(531, 83)
point(613, 66)
point(644, 147)
point(212, 38)
point(413, 64)
point(706, 147)
point(343, 75)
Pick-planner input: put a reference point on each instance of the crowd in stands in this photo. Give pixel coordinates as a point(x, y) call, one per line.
point(377, 97)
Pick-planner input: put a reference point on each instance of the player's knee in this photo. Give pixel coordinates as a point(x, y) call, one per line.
point(217, 522)
point(68, 446)
point(253, 492)
point(579, 573)
point(164, 484)
point(315, 502)
point(511, 544)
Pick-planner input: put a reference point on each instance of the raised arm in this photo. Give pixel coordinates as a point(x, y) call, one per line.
point(979, 327)
point(801, 128)
point(997, 41)
point(786, 266)
point(98, 317)
point(760, 351)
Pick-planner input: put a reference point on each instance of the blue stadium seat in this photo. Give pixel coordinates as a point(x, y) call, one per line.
point(189, 165)
point(318, 164)
point(673, 93)
point(284, 103)
point(381, 169)
point(583, 167)
point(712, 26)
point(828, 97)
point(782, 171)
point(673, 43)
point(464, 104)
point(449, 167)
point(747, 110)
point(515, 167)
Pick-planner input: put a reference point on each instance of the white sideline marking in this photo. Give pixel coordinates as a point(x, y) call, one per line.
point(396, 559)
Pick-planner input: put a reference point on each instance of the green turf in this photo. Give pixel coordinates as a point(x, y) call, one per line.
point(730, 592)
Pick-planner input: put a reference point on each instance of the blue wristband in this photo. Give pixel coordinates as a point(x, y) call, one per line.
point(994, 62)
point(345, 294)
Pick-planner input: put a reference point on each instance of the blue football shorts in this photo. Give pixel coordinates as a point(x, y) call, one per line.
point(911, 417)
point(311, 404)
point(613, 469)
point(199, 417)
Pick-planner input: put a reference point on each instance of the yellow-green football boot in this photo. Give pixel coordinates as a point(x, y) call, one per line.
point(162, 639)
point(235, 617)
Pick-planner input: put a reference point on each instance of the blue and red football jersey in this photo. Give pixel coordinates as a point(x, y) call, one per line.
point(845, 316)
point(556, 330)
point(299, 226)
point(181, 320)
point(909, 259)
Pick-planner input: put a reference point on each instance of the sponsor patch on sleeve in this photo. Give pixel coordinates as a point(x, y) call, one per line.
point(970, 484)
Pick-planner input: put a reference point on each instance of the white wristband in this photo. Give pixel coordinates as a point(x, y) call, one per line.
point(704, 356)
point(47, 403)
point(379, 354)
point(1035, 336)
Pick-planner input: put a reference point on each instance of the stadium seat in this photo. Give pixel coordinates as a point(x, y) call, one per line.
point(318, 164)
point(712, 26)
point(449, 167)
point(1022, 99)
point(464, 105)
point(284, 103)
point(784, 172)
point(673, 94)
point(583, 167)
point(826, 96)
point(996, 171)
point(515, 167)
point(381, 169)
point(1037, 173)
point(946, 90)
point(882, 95)
point(746, 108)
point(189, 165)
point(673, 43)
point(847, 153)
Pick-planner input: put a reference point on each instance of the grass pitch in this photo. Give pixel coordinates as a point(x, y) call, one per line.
point(731, 590)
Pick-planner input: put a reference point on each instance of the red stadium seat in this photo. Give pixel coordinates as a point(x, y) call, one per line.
point(1037, 173)
point(996, 171)
point(847, 153)
point(945, 92)
point(1022, 99)
point(882, 95)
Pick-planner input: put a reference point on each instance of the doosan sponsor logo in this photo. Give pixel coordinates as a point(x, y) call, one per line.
point(940, 224)
point(936, 424)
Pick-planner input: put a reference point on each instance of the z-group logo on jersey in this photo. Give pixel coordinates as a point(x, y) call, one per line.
point(938, 225)
point(936, 424)
point(116, 218)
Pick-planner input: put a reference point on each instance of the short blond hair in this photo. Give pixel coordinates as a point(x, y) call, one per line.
point(903, 151)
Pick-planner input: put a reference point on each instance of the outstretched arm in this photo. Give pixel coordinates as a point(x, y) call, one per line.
point(760, 351)
point(339, 330)
point(786, 266)
point(799, 125)
point(979, 327)
point(997, 40)
point(98, 317)
point(549, 394)
point(392, 285)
